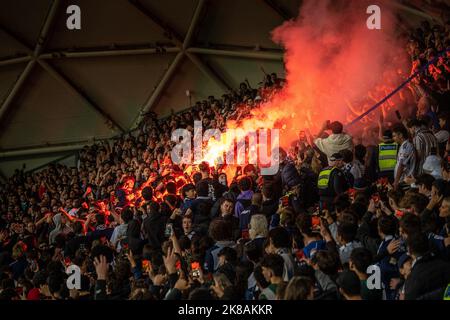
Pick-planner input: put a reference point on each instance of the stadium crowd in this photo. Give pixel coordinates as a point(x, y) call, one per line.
point(139, 227)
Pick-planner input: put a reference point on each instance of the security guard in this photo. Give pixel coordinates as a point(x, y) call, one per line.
point(331, 182)
point(387, 156)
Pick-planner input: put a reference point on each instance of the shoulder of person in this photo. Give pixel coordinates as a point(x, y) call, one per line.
point(338, 173)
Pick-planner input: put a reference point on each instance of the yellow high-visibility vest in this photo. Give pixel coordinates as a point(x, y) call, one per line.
point(387, 156)
point(324, 178)
point(447, 293)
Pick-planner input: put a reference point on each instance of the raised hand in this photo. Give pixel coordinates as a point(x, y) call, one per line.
point(101, 267)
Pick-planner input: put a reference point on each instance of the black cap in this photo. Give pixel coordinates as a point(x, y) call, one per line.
point(336, 156)
point(387, 135)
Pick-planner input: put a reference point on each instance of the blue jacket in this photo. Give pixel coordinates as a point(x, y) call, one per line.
point(212, 255)
point(289, 175)
point(239, 207)
point(388, 263)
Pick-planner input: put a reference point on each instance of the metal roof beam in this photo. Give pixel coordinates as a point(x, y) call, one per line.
point(279, 9)
point(45, 30)
point(209, 72)
point(17, 60)
point(194, 24)
point(265, 55)
point(43, 150)
point(158, 91)
point(21, 41)
point(169, 31)
point(68, 84)
point(108, 53)
point(15, 89)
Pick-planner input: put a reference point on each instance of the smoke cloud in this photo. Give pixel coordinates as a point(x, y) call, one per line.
point(336, 68)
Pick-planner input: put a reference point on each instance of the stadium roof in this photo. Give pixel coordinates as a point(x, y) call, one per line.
point(61, 88)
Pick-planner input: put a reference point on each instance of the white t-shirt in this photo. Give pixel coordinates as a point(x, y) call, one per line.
point(407, 157)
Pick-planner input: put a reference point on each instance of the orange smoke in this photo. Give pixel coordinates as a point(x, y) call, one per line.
point(336, 68)
point(334, 63)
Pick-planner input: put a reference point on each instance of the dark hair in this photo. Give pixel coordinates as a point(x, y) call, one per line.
point(414, 123)
point(307, 271)
point(200, 294)
point(418, 244)
point(304, 224)
point(253, 251)
point(100, 218)
point(341, 202)
point(441, 185)
point(230, 255)
point(127, 215)
point(147, 193)
point(171, 187)
point(220, 230)
point(361, 259)
point(245, 183)
point(400, 129)
point(275, 263)
point(387, 133)
point(202, 188)
point(410, 224)
point(388, 225)
point(187, 187)
point(185, 243)
point(39, 278)
point(336, 127)
point(426, 180)
point(358, 208)
point(349, 283)
point(327, 261)
point(298, 288)
point(280, 237)
point(102, 250)
point(56, 283)
point(347, 155)
point(419, 202)
point(347, 231)
point(196, 177)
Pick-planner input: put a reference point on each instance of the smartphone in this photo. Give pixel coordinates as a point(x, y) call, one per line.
point(315, 221)
point(146, 265)
point(169, 230)
point(195, 267)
